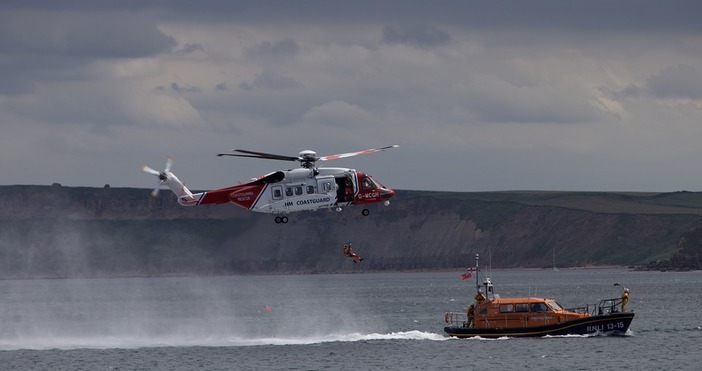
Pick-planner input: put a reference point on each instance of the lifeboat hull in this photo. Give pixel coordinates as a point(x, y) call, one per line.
point(609, 324)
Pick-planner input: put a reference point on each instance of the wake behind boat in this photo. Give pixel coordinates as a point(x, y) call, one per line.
point(492, 317)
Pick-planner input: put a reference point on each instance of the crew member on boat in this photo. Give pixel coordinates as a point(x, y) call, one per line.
point(480, 296)
point(471, 315)
point(625, 299)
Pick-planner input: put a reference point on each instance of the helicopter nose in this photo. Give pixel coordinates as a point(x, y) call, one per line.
point(386, 193)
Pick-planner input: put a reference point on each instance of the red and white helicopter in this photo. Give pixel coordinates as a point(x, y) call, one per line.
point(285, 191)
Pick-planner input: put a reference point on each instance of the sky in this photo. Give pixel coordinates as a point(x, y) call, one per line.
point(600, 95)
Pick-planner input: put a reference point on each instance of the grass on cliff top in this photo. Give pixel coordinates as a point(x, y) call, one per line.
point(683, 202)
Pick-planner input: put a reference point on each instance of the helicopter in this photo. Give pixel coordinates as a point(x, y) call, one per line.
point(285, 191)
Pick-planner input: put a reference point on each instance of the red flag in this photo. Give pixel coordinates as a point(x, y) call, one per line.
point(468, 274)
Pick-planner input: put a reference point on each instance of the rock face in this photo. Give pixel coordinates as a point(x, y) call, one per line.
point(54, 231)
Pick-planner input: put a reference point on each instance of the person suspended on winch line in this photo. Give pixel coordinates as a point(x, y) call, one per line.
point(348, 251)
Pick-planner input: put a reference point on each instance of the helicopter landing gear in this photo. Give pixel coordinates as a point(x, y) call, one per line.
point(281, 219)
point(365, 212)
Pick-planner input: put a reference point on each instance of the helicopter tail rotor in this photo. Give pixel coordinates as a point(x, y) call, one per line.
point(166, 177)
point(162, 175)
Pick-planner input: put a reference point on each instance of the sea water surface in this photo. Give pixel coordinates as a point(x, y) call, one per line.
point(365, 321)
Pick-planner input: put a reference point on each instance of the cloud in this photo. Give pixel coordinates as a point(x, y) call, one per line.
point(490, 88)
point(500, 102)
point(81, 34)
point(41, 46)
point(279, 49)
point(418, 35)
point(181, 89)
point(339, 114)
point(271, 80)
point(191, 48)
point(681, 81)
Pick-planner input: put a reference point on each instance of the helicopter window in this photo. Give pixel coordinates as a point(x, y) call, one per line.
point(367, 183)
point(310, 189)
point(289, 192)
point(298, 190)
point(277, 193)
point(327, 187)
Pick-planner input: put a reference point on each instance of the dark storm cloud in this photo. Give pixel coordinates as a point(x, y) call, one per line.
point(418, 35)
point(184, 89)
point(595, 15)
point(681, 81)
point(271, 80)
point(190, 48)
point(81, 35)
point(648, 15)
point(674, 82)
point(49, 46)
point(478, 77)
point(278, 49)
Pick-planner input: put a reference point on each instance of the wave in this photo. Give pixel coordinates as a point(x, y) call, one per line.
point(208, 341)
point(352, 337)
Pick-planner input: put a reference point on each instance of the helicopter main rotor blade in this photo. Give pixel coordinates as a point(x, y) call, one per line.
point(350, 154)
point(149, 170)
point(252, 154)
point(169, 163)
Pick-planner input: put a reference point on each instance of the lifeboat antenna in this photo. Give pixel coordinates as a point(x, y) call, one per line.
point(477, 272)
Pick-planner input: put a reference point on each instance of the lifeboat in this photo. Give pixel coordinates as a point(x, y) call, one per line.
point(490, 316)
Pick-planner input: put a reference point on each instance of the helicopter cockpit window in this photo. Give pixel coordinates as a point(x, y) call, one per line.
point(367, 183)
point(289, 191)
point(298, 190)
point(310, 189)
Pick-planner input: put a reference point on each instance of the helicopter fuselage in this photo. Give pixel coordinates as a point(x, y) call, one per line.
point(292, 190)
point(285, 191)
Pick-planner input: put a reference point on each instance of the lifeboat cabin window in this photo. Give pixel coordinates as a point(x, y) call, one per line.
point(506, 308)
point(539, 307)
point(555, 306)
point(521, 307)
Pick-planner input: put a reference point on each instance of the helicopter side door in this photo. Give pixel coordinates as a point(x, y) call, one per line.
point(326, 185)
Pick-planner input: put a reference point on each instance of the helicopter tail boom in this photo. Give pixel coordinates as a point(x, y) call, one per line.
point(166, 177)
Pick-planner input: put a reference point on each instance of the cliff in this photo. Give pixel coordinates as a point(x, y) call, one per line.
point(55, 231)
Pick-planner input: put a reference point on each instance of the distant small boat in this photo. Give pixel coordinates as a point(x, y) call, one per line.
point(492, 317)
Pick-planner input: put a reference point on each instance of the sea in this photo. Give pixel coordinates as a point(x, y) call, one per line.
point(358, 321)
